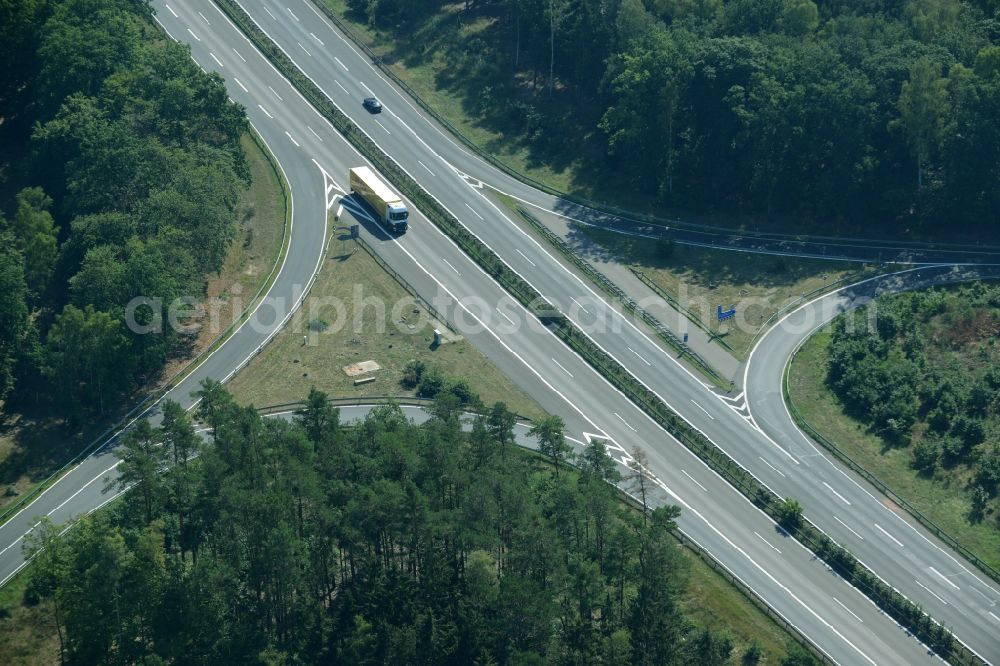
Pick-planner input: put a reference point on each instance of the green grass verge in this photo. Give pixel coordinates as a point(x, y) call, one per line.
point(286, 368)
point(945, 504)
point(34, 447)
point(700, 279)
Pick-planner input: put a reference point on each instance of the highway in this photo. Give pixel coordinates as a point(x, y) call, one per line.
point(832, 500)
point(834, 616)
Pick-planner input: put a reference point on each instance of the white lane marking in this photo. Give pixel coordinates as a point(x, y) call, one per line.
point(640, 357)
point(944, 578)
point(171, 10)
point(304, 49)
point(239, 56)
point(842, 498)
point(994, 616)
point(624, 421)
point(481, 218)
point(524, 255)
point(771, 466)
point(216, 59)
point(275, 93)
point(204, 18)
point(340, 62)
point(848, 527)
point(562, 368)
point(428, 170)
point(82, 488)
point(265, 111)
point(767, 542)
point(193, 35)
point(314, 133)
point(702, 409)
point(370, 91)
point(292, 139)
point(317, 39)
point(383, 126)
point(340, 210)
point(735, 398)
point(991, 602)
point(931, 591)
point(450, 266)
point(240, 84)
point(880, 529)
point(582, 306)
point(512, 322)
point(292, 13)
point(341, 86)
point(694, 480)
point(848, 610)
point(270, 14)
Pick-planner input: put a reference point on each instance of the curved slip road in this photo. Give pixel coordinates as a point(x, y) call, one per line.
point(830, 613)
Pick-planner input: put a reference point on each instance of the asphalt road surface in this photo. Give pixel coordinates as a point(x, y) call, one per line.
point(833, 615)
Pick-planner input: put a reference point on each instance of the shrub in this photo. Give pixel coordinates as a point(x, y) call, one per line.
point(926, 455)
point(412, 373)
point(790, 514)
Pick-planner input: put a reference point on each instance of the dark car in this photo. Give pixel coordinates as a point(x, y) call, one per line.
point(372, 104)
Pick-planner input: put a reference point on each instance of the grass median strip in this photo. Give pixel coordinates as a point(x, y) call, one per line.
point(907, 613)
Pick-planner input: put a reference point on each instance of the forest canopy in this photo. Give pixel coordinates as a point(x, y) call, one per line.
point(132, 167)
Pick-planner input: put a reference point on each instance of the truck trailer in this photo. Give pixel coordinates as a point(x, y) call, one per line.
point(386, 204)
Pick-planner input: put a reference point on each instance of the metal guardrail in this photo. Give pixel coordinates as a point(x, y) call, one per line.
point(738, 476)
point(379, 62)
point(125, 421)
point(403, 283)
point(683, 309)
point(618, 294)
point(858, 469)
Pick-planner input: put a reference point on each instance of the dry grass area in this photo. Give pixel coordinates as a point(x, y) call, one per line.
point(27, 634)
point(33, 447)
point(288, 367)
point(702, 279)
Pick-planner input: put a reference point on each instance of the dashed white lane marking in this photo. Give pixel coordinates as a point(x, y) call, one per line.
point(848, 610)
point(582, 306)
point(525, 257)
point(317, 39)
point(304, 49)
point(383, 126)
point(275, 93)
point(624, 421)
point(314, 133)
point(702, 409)
point(481, 217)
point(842, 498)
point(342, 87)
point(931, 591)
point(769, 545)
point(239, 56)
point(450, 266)
point(340, 62)
point(240, 84)
point(990, 601)
point(172, 11)
point(270, 14)
point(219, 62)
point(880, 529)
point(512, 322)
point(425, 167)
point(371, 92)
point(292, 139)
point(193, 35)
point(694, 480)
point(203, 18)
point(293, 14)
point(944, 578)
point(771, 466)
point(994, 616)
point(562, 368)
point(265, 112)
point(640, 357)
point(848, 527)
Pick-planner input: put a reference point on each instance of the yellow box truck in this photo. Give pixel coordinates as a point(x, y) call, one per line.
point(386, 204)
